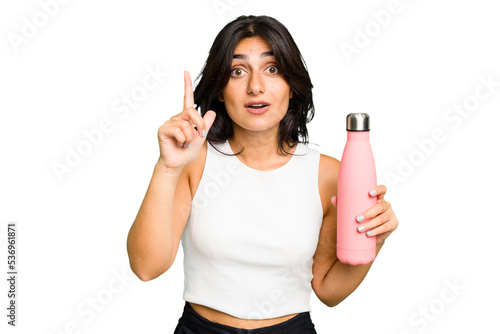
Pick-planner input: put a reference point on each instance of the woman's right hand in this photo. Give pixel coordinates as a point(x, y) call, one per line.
point(180, 143)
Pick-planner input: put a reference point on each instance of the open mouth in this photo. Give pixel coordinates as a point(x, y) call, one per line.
point(257, 106)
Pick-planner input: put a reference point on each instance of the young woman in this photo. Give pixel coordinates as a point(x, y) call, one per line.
point(250, 201)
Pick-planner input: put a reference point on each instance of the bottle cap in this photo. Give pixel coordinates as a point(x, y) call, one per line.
point(358, 122)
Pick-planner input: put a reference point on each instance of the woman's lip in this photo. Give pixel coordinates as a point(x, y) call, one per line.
point(257, 111)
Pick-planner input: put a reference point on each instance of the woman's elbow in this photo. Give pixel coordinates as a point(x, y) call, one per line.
point(330, 302)
point(147, 270)
point(147, 275)
point(328, 299)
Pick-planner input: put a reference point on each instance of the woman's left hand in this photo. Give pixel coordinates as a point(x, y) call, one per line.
point(378, 221)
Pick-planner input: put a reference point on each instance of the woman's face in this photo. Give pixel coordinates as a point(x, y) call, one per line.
point(256, 96)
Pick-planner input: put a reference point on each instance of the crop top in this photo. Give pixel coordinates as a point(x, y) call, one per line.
point(251, 235)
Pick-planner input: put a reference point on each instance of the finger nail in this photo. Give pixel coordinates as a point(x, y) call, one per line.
point(204, 134)
point(187, 146)
point(360, 219)
point(361, 228)
point(369, 233)
point(373, 192)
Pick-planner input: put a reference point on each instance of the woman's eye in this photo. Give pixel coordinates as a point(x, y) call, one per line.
point(272, 69)
point(237, 72)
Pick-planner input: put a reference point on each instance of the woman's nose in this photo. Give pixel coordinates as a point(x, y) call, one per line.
point(256, 84)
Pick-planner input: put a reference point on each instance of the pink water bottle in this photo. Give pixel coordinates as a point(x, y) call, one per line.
point(357, 176)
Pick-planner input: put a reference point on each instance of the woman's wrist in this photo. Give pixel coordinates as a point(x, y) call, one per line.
point(379, 246)
point(167, 170)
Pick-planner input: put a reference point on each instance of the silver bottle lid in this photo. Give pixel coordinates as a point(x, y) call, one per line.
point(358, 122)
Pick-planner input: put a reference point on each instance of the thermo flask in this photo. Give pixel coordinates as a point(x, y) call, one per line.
point(357, 176)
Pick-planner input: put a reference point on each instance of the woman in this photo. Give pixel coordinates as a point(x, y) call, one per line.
point(250, 201)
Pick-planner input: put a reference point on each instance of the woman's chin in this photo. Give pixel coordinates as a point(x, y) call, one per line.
point(259, 126)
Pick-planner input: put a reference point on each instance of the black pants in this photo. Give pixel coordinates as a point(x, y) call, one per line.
point(193, 323)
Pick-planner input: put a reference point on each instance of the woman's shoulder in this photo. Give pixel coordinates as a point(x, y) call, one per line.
point(327, 179)
point(328, 161)
point(328, 166)
point(328, 170)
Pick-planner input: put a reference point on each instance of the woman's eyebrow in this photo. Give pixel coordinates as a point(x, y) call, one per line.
point(263, 55)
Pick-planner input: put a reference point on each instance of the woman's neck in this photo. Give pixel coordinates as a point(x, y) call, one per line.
point(260, 149)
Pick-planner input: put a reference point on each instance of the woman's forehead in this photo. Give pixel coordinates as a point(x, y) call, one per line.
point(253, 45)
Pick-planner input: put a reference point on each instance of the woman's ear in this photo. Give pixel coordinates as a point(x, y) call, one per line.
point(220, 98)
point(291, 93)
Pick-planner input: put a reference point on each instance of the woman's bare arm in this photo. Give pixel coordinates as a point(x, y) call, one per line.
point(333, 280)
point(154, 237)
point(150, 241)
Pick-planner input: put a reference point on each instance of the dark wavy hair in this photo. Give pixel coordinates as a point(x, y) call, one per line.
point(217, 69)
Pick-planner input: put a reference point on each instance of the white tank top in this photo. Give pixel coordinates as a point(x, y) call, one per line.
point(251, 235)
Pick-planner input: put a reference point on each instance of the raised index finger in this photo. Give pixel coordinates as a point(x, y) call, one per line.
point(188, 91)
